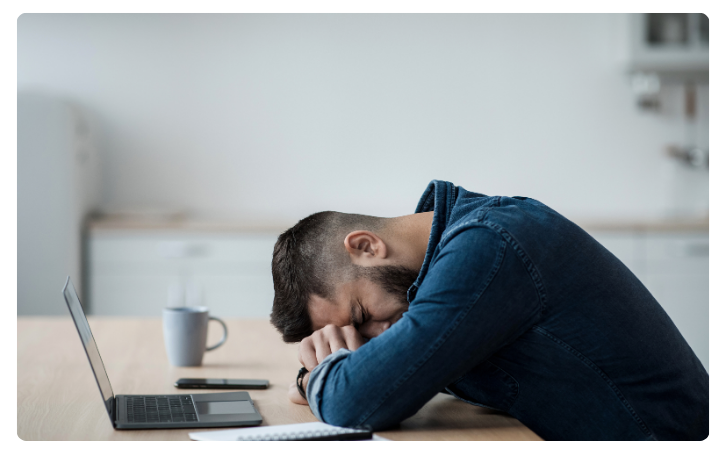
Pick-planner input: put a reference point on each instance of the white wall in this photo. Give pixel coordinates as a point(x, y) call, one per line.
point(276, 116)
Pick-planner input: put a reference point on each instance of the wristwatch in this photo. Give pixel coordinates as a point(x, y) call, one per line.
point(303, 371)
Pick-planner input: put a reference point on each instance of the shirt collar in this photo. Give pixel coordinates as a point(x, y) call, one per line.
point(439, 197)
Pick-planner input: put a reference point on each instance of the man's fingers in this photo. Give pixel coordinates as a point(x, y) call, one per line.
point(336, 339)
point(327, 341)
point(306, 353)
point(323, 342)
point(353, 338)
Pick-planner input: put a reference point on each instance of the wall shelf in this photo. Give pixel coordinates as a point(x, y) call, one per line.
point(673, 45)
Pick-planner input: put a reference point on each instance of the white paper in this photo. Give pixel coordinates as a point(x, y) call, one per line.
point(236, 433)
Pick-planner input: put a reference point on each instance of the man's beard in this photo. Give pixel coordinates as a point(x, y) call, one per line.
point(394, 279)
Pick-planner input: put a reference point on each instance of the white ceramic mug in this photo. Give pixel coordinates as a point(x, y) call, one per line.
point(185, 331)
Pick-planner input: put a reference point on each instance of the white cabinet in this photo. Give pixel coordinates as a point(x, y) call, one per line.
point(137, 273)
point(674, 266)
point(677, 274)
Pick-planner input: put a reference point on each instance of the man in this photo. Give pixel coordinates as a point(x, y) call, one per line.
point(499, 301)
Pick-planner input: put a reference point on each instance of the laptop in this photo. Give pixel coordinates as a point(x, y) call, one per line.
point(159, 411)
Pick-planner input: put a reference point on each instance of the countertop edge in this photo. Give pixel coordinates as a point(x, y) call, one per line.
point(182, 225)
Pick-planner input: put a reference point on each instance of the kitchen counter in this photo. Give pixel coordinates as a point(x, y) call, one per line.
point(651, 225)
point(132, 262)
point(181, 223)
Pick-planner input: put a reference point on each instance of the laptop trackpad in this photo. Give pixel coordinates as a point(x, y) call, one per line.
point(225, 407)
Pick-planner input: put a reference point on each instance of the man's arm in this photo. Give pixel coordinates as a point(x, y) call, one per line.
point(316, 347)
point(477, 297)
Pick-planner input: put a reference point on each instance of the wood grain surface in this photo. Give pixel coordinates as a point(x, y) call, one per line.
point(58, 398)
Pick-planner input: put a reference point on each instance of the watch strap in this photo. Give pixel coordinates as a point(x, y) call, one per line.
point(303, 371)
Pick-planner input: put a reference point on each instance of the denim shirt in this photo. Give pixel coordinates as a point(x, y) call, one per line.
point(518, 309)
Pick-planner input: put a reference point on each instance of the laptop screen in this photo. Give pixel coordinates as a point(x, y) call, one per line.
point(89, 344)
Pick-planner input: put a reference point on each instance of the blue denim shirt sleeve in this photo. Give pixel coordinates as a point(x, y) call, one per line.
point(317, 379)
point(477, 297)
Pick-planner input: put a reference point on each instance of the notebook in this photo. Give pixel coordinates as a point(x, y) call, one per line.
point(290, 432)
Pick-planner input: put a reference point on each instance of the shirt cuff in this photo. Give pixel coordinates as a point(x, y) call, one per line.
point(318, 376)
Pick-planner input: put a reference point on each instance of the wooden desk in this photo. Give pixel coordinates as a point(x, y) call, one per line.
point(58, 398)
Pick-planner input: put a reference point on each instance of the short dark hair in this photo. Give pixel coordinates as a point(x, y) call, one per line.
point(310, 258)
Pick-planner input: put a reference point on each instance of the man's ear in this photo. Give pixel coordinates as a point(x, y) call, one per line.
point(365, 248)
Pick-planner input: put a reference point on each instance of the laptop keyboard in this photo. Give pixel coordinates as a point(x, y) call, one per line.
point(160, 408)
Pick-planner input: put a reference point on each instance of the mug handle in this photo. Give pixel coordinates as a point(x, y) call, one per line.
point(224, 337)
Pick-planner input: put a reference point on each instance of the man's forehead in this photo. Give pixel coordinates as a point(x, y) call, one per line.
point(323, 312)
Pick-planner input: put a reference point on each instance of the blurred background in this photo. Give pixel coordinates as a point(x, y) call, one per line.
point(159, 156)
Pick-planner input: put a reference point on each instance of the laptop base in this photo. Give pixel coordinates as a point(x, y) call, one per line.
point(227, 409)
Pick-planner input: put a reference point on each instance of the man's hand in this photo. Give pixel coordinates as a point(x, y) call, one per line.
point(294, 395)
point(319, 345)
point(327, 340)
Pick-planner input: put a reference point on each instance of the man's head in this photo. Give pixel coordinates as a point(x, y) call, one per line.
point(336, 268)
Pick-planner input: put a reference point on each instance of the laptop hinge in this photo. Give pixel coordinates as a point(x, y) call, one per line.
point(116, 409)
